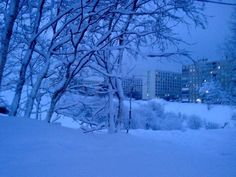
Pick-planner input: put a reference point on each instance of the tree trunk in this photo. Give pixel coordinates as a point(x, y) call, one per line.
point(111, 120)
point(54, 100)
point(120, 104)
point(38, 108)
point(16, 100)
point(34, 91)
point(26, 61)
point(6, 35)
point(51, 111)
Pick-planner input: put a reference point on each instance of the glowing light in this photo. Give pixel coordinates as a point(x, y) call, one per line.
point(198, 100)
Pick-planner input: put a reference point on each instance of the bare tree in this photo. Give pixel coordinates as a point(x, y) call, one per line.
point(67, 36)
point(148, 23)
point(27, 58)
point(9, 19)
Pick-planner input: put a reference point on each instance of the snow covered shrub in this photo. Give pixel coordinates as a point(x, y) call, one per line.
point(233, 116)
point(145, 116)
point(157, 108)
point(212, 92)
point(155, 115)
point(171, 121)
point(152, 116)
point(212, 125)
point(138, 117)
point(148, 119)
point(194, 122)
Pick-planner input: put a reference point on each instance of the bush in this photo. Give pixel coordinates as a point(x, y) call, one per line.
point(156, 113)
point(194, 122)
point(152, 116)
point(171, 121)
point(147, 116)
point(233, 116)
point(212, 125)
point(139, 118)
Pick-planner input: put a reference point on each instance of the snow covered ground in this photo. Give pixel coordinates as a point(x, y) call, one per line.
point(165, 115)
point(217, 113)
point(30, 148)
point(156, 111)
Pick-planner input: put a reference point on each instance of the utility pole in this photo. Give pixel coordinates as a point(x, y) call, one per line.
point(130, 108)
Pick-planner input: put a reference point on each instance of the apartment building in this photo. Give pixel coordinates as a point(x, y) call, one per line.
point(163, 84)
point(194, 75)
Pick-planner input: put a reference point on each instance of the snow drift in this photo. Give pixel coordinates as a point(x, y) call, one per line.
point(35, 148)
point(162, 115)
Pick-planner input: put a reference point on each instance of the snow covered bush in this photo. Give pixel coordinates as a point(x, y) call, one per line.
point(162, 115)
point(212, 125)
point(152, 116)
point(156, 110)
point(171, 121)
point(212, 93)
point(147, 116)
point(194, 122)
point(234, 116)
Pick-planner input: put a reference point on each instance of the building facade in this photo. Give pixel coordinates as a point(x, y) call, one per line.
point(194, 75)
point(156, 84)
point(163, 84)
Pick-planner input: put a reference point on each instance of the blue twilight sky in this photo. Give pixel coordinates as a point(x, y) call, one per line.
point(206, 42)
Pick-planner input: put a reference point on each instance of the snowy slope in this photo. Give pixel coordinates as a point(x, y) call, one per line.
point(30, 148)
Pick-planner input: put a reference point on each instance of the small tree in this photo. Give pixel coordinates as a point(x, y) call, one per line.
point(230, 45)
point(212, 93)
point(231, 53)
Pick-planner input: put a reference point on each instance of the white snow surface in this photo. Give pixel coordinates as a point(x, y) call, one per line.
point(30, 148)
point(219, 114)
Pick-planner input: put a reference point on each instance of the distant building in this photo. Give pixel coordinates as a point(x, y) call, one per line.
point(194, 75)
point(163, 84)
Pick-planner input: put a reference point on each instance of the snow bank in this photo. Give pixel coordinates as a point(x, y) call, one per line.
point(154, 114)
point(35, 148)
point(217, 113)
point(159, 114)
